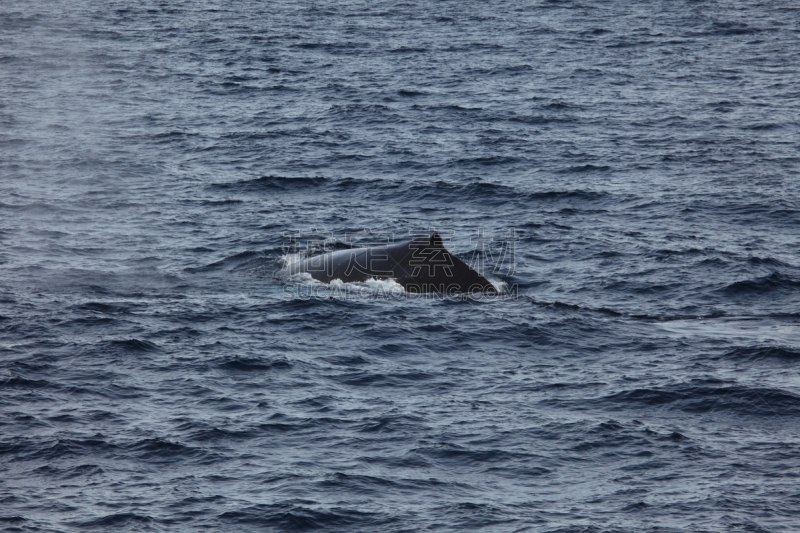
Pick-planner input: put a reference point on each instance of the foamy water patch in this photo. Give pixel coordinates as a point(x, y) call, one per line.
point(500, 286)
point(303, 285)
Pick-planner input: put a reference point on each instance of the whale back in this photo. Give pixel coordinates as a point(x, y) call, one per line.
point(421, 265)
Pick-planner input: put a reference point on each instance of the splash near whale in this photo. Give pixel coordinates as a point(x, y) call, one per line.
point(422, 265)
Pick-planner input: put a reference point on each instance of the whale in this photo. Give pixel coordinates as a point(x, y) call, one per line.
point(421, 264)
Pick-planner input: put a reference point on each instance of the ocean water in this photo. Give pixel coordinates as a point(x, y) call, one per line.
point(639, 162)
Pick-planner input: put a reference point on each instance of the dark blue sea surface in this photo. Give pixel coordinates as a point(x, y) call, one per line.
point(158, 161)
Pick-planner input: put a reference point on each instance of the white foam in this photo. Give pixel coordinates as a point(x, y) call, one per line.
point(500, 286)
point(372, 288)
point(385, 285)
point(303, 277)
point(337, 284)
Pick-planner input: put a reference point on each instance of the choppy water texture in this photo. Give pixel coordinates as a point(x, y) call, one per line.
point(155, 377)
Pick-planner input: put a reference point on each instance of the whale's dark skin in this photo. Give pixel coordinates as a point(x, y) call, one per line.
point(420, 265)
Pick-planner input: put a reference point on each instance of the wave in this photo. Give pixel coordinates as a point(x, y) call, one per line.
point(704, 397)
point(409, 93)
point(247, 260)
point(375, 379)
point(300, 517)
point(19, 382)
point(574, 307)
point(109, 308)
point(71, 472)
point(334, 47)
point(459, 455)
point(164, 450)
point(55, 449)
point(408, 50)
point(115, 520)
point(201, 432)
point(585, 168)
point(731, 28)
point(245, 364)
point(775, 282)
point(132, 345)
point(472, 190)
point(756, 353)
point(769, 262)
point(488, 192)
point(283, 183)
